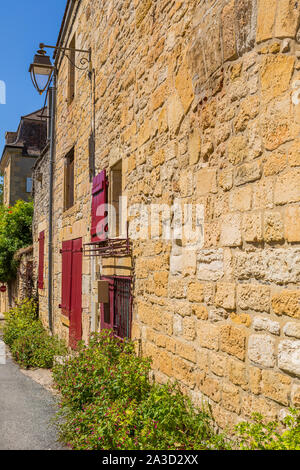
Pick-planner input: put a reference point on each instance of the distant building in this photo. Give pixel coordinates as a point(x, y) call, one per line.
point(22, 148)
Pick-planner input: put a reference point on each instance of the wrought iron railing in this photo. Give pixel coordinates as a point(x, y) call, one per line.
point(111, 247)
point(122, 307)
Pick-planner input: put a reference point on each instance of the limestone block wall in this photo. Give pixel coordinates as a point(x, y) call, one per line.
point(40, 224)
point(21, 169)
point(3, 302)
point(200, 100)
point(23, 287)
point(6, 185)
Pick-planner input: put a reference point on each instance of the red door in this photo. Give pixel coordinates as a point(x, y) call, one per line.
point(107, 310)
point(76, 294)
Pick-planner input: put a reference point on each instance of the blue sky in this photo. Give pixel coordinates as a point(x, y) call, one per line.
point(23, 25)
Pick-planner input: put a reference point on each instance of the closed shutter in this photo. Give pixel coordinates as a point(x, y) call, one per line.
point(76, 294)
point(99, 227)
point(66, 277)
point(41, 260)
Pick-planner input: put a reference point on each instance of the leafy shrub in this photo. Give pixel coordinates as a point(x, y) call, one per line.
point(109, 403)
point(273, 435)
point(107, 368)
point(37, 349)
point(20, 320)
point(30, 344)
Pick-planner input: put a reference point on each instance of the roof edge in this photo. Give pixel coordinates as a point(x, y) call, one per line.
point(66, 18)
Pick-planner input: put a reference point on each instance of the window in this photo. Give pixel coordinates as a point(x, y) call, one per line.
point(69, 180)
point(115, 195)
point(116, 314)
point(41, 260)
point(71, 80)
point(28, 185)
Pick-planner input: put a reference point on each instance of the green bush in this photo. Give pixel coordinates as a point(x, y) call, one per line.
point(107, 368)
point(273, 435)
point(19, 320)
point(30, 344)
point(109, 403)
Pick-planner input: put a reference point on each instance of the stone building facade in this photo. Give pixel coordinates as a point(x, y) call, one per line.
point(196, 102)
point(22, 287)
point(22, 149)
point(19, 155)
point(41, 225)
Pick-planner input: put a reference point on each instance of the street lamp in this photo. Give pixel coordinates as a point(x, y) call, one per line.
point(41, 71)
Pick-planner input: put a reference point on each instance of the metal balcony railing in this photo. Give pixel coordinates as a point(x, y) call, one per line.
point(112, 247)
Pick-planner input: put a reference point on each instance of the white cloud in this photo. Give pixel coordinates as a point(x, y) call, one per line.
point(2, 92)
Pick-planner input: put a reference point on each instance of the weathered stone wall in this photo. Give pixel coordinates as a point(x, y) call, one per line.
point(6, 186)
point(16, 171)
point(23, 287)
point(21, 169)
point(3, 302)
point(200, 101)
point(40, 224)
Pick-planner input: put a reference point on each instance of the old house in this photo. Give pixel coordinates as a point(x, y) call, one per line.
point(189, 111)
point(21, 150)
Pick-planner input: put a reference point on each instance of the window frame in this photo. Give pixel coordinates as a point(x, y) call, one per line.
point(120, 293)
point(29, 182)
point(115, 193)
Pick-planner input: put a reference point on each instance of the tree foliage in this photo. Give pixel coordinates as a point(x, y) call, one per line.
point(30, 344)
point(15, 233)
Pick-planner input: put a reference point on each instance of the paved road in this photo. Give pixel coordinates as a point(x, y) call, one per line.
point(26, 409)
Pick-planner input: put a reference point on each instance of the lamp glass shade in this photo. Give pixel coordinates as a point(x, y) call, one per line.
point(41, 72)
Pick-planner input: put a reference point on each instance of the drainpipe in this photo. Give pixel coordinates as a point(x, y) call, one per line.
point(52, 105)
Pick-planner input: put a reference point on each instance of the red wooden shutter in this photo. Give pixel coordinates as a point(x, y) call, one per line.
point(99, 227)
point(76, 294)
point(66, 277)
point(41, 260)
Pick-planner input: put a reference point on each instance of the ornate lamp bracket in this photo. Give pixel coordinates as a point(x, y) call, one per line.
point(85, 62)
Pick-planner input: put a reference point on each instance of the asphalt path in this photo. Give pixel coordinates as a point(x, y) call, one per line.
point(26, 410)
